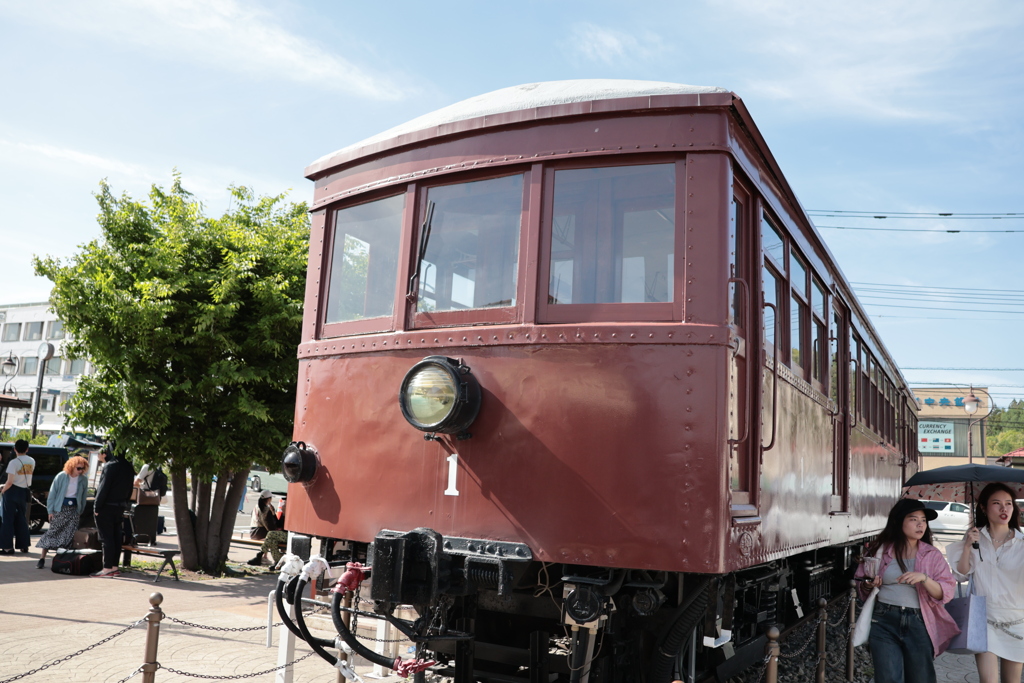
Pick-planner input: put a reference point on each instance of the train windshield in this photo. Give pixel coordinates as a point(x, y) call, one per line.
point(471, 250)
point(613, 235)
point(364, 262)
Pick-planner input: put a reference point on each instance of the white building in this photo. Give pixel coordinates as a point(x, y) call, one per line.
point(23, 328)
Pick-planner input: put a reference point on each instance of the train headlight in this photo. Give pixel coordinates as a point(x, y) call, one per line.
point(299, 463)
point(439, 395)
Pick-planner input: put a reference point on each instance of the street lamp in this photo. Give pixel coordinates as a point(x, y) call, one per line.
point(9, 368)
point(971, 405)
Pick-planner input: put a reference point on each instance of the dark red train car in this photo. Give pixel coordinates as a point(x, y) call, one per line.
point(641, 416)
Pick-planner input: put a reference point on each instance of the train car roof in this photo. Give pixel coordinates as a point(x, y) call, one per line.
point(528, 97)
point(553, 99)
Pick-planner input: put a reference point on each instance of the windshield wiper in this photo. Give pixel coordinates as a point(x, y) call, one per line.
point(412, 293)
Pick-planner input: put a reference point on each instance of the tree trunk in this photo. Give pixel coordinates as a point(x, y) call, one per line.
point(202, 489)
point(183, 520)
point(234, 495)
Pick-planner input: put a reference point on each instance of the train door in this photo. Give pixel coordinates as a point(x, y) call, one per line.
point(739, 364)
point(839, 351)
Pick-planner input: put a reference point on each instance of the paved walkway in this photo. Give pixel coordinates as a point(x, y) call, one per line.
point(46, 616)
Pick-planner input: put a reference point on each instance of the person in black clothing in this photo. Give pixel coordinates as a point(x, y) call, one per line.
point(116, 483)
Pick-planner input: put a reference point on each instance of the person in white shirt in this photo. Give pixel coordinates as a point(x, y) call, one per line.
point(16, 497)
point(997, 568)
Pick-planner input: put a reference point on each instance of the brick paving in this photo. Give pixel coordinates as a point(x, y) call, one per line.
point(46, 616)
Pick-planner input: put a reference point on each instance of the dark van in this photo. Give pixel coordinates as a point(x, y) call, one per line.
point(49, 461)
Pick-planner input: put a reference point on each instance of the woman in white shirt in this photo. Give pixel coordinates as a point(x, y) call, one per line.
point(65, 504)
point(997, 568)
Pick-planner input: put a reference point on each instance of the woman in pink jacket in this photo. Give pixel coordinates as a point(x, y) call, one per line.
point(910, 626)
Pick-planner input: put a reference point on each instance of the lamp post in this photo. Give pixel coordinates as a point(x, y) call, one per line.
point(9, 368)
point(971, 405)
point(46, 350)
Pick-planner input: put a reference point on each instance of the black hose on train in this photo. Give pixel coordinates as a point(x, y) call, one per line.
point(317, 644)
point(687, 616)
point(282, 586)
point(353, 642)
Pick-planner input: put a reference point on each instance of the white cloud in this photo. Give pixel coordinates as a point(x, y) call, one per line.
point(224, 34)
point(878, 58)
point(599, 44)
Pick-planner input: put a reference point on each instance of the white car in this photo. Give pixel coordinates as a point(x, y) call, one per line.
point(954, 518)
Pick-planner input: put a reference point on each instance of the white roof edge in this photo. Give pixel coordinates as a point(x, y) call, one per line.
point(530, 96)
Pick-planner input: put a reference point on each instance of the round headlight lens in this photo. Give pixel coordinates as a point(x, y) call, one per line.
point(440, 395)
point(430, 395)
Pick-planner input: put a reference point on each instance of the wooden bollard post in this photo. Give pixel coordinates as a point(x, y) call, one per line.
point(771, 653)
point(822, 625)
point(849, 635)
point(152, 637)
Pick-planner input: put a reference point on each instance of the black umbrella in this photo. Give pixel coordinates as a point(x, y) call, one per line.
point(973, 478)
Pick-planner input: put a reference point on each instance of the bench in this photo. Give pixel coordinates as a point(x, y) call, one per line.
point(250, 543)
point(167, 555)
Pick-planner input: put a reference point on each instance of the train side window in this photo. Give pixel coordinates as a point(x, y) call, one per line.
point(854, 378)
point(773, 244)
point(364, 261)
point(818, 339)
point(770, 284)
point(799, 314)
point(471, 246)
point(737, 257)
point(612, 237)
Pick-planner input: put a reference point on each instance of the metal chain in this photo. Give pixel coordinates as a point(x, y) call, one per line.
point(356, 601)
point(131, 675)
point(218, 628)
point(233, 678)
point(75, 654)
point(807, 642)
point(844, 614)
point(764, 668)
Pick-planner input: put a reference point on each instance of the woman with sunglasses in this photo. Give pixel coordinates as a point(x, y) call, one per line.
point(64, 504)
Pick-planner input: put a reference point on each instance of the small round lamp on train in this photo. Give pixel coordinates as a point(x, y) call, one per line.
point(300, 463)
point(439, 395)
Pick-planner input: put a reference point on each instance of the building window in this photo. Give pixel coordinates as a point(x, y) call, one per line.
point(12, 331)
point(53, 366)
point(76, 366)
point(34, 331)
point(29, 365)
point(55, 330)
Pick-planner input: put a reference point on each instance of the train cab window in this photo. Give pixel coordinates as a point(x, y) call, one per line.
point(364, 265)
point(613, 235)
point(470, 245)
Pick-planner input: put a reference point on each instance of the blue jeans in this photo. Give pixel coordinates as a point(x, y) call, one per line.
point(900, 647)
point(14, 529)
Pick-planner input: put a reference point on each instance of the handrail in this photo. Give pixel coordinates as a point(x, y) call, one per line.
point(775, 383)
point(746, 402)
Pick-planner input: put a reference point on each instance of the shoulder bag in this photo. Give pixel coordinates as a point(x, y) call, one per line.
point(863, 627)
point(970, 613)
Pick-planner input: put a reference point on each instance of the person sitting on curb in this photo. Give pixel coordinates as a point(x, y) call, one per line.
point(266, 527)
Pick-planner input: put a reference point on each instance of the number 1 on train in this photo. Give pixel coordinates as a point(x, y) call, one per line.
point(453, 468)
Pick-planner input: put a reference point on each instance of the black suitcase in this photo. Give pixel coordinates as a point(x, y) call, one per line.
point(77, 562)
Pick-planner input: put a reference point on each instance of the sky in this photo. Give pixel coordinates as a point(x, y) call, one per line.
point(881, 106)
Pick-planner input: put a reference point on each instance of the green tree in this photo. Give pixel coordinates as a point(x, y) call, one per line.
point(191, 323)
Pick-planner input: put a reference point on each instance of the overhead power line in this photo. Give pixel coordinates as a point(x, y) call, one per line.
point(938, 231)
point(971, 369)
point(930, 308)
point(984, 215)
point(954, 289)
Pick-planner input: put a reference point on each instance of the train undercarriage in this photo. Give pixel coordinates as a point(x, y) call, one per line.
point(487, 611)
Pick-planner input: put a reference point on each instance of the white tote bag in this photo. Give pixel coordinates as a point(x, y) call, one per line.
point(863, 628)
